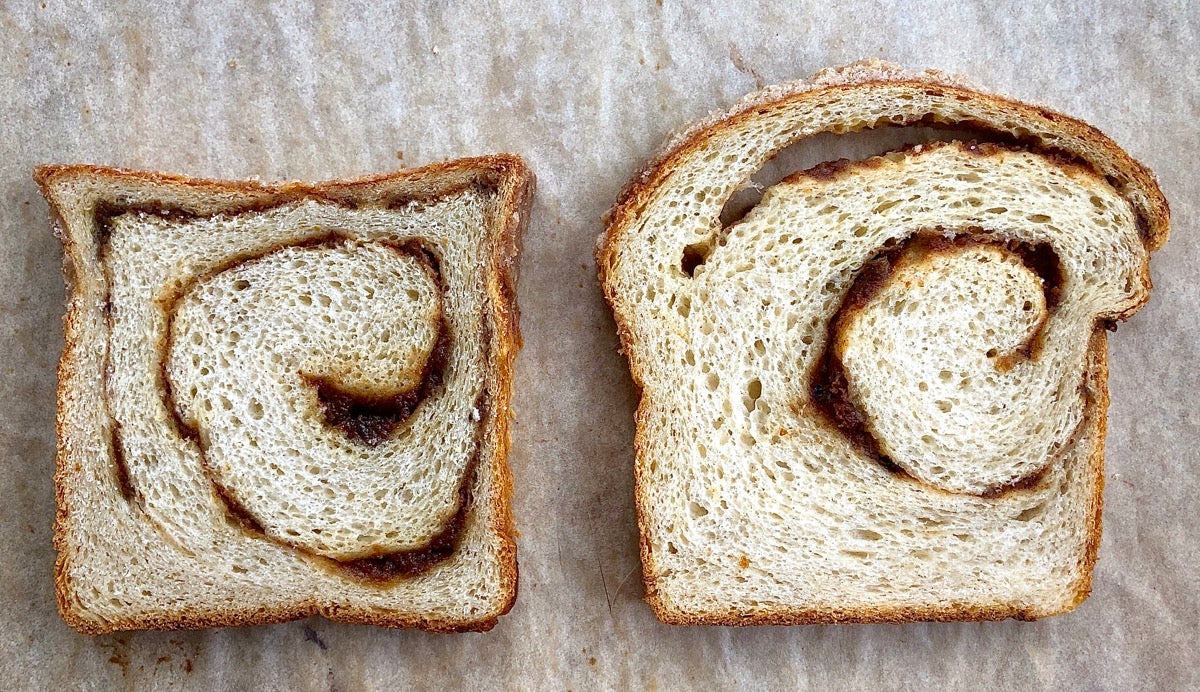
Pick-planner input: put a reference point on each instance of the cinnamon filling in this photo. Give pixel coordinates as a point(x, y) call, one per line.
point(365, 420)
point(829, 388)
point(370, 420)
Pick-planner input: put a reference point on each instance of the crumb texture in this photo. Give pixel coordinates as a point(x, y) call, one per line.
point(247, 346)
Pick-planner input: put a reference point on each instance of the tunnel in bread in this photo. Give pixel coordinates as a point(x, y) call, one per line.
point(909, 319)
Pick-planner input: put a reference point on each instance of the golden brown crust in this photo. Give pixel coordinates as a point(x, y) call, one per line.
point(1146, 199)
point(512, 218)
point(857, 615)
point(1096, 385)
point(514, 183)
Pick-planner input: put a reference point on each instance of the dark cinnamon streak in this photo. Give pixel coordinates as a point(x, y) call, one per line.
point(128, 492)
point(992, 138)
point(371, 420)
point(233, 507)
point(831, 170)
point(106, 210)
point(1031, 481)
point(364, 420)
point(408, 563)
point(829, 388)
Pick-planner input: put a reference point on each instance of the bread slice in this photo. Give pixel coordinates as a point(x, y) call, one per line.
point(880, 396)
point(284, 400)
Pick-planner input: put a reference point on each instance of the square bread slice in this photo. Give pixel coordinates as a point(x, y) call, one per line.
point(879, 396)
point(284, 400)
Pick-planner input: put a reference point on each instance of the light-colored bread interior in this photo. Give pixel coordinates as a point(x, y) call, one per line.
point(193, 341)
point(242, 346)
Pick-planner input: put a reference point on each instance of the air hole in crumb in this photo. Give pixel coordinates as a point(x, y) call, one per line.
point(684, 306)
point(694, 255)
point(1031, 513)
point(241, 285)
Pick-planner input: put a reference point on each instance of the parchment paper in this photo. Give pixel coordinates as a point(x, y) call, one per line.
point(283, 91)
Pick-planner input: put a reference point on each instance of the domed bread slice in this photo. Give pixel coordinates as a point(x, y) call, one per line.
point(284, 400)
point(880, 396)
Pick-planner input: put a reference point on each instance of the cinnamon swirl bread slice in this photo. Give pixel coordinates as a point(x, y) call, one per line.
point(881, 395)
point(277, 401)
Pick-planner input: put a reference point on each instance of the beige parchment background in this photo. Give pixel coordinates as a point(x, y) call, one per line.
point(284, 91)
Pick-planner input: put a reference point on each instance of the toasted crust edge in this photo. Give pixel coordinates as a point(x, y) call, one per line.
point(633, 199)
point(515, 184)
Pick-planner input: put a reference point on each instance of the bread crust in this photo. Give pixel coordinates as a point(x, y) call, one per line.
point(1137, 183)
point(514, 183)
